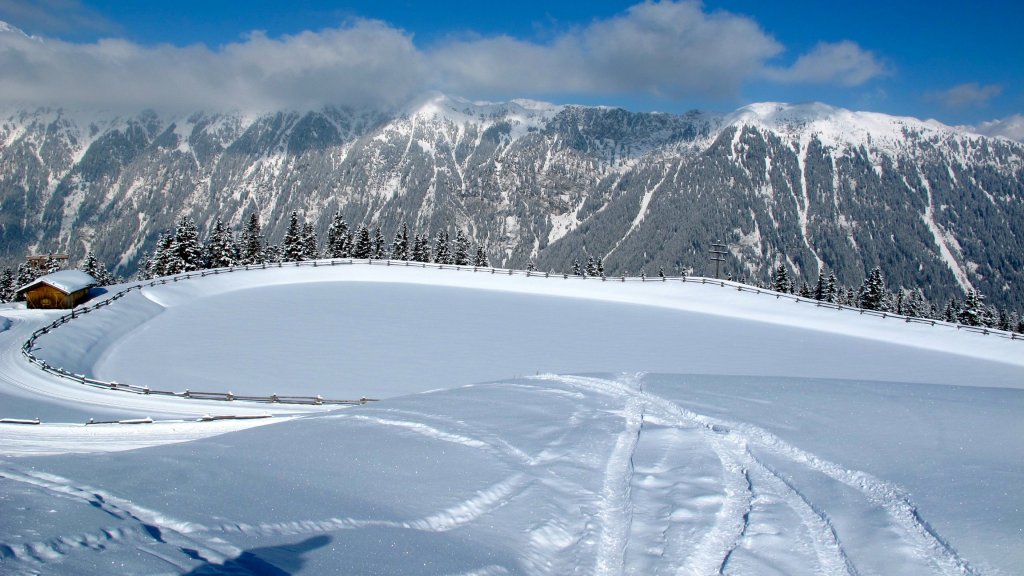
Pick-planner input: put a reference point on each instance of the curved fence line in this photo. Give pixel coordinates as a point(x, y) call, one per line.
point(29, 344)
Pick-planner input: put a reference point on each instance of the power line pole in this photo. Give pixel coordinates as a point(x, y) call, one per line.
point(718, 256)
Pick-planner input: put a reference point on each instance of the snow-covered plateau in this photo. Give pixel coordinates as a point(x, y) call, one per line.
point(524, 425)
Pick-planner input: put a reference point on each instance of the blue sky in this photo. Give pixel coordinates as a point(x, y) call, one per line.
point(957, 62)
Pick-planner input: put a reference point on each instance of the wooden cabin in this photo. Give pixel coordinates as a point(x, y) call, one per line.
point(62, 289)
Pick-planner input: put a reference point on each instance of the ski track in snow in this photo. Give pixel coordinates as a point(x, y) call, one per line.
point(609, 538)
point(144, 527)
point(743, 473)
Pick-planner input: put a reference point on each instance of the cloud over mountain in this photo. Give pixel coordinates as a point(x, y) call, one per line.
point(669, 50)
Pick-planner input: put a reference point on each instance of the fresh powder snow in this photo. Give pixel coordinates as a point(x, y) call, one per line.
point(522, 425)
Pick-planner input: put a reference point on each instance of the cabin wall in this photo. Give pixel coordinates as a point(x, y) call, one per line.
point(48, 297)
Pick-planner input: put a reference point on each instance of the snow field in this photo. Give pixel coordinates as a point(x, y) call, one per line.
point(715, 432)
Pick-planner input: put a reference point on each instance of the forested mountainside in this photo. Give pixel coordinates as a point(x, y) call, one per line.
point(811, 186)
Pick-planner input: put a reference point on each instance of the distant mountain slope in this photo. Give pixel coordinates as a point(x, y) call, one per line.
point(813, 185)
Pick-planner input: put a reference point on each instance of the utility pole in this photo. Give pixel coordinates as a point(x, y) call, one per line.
point(718, 256)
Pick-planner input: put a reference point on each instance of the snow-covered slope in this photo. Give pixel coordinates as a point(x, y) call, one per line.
point(706, 431)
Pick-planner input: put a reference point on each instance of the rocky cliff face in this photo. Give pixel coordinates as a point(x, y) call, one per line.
point(814, 186)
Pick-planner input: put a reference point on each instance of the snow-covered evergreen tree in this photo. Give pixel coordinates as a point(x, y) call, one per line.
point(530, 266)
point(400, 246)
point(97, 270)
point(952, 311)
point(363, 248)
point(221, 251)
point(442, 249)
point(661, 271)
point(52, 264)
point(873, 291)
point(339, 240)
point(273, 253)
point(481, 259)
point(421, 249)
point(461, 255)
point(591, 269)
point(162, 261)
point(780, 279)
point(577, 270)
point(820, 286)
point(380, 245)
point(915, 305)
point(251, 242)
point(187, 250)
point(1003, 323)
point(973, 311)
point(831, 290)
point(292, 245)
point(7, 286)
point(310, 251)
point(25, 275)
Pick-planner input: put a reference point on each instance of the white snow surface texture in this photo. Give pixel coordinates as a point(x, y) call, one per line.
point(524, 426)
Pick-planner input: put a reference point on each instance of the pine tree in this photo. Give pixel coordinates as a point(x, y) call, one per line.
point(339, 240)
point(161, 263)
point(591, 269)
point(915, 305)
point(805, 290)
point(661, 271)
point(780, 279)
point(577, 270)
point(461, 256)
point(273, 253)
point(873, 291)
point(530, 266)
point(442, 249)
point(7, 286)
point(973, 312)
point(831, 294)
point(292, 245)
point(310, 251)
point(820, 287)
point(363, 248)
point(1004, 320)
point(25, 275)
point(600, 267)
point(481, 258)
point(188, 252)
point(952, 310)
point(380, 245)
point(220, 247)
point(421, 249)
point(52, 264)
point(97, 270)
point(400, 246)
point(251, 243)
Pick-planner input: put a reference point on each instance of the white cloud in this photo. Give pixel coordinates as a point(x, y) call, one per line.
point(669, 49)
point(844, 63)
point(966, 95)
point(364, 62)
point(1011, 127)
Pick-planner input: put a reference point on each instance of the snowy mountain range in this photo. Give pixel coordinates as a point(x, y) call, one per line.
point(814, 186)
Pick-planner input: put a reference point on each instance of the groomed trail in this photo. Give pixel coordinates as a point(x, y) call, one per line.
point(527, 426)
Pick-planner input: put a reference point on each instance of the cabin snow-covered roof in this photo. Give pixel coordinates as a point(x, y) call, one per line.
point(66, 281)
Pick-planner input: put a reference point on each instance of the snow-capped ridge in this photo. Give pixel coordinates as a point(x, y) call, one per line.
point(833, 125)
